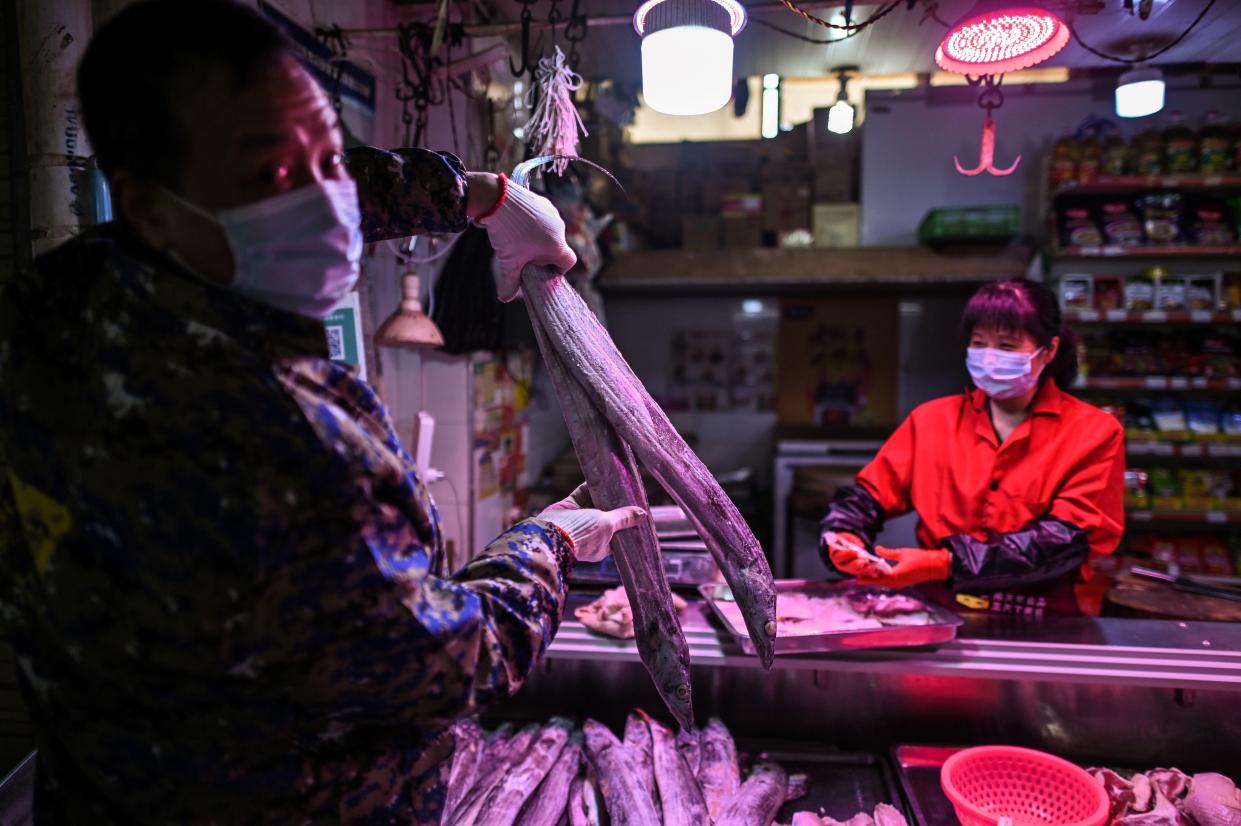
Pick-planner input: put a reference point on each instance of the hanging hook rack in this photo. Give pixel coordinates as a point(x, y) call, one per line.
point(527, 17)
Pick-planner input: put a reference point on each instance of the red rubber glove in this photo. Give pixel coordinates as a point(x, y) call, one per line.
point(846, 559)
point(912, 567)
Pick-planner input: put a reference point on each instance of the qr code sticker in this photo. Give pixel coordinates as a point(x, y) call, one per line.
point(336, 343)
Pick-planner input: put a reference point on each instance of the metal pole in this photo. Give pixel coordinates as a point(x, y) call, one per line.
point(52, 36)
point(514, 27)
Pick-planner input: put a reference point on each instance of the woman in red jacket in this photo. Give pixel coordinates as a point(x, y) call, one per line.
point(1016, 483)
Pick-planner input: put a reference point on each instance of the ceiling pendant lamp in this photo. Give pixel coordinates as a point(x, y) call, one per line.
point(999, 36)
point(1139, 92)
point(687, 53)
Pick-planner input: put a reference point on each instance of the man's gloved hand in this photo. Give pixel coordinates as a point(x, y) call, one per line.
point(590, 530)
point(842, 551)
point(912, 567)
point(525, 229)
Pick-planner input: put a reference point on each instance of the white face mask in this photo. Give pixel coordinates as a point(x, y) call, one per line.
point(299, 251)
point(1002, 374)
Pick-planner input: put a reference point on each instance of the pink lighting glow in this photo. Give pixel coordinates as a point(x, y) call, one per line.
point(1001, 41)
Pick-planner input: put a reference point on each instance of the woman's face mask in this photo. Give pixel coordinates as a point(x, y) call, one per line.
point(1002, 374)
point(299, 251)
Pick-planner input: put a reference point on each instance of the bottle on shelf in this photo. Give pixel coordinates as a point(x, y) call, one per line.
point(1064, 161)
point(1090, 157)
point(1214, 145)
point(1149, 152)
point(1116, 159)
point(1180, 145)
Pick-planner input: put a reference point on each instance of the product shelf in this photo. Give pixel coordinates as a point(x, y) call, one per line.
point(1211, 450)
point(1125, 183)
point(1153, 316)
point(1209, 517)
point(1156, 383)
point(1147, 251)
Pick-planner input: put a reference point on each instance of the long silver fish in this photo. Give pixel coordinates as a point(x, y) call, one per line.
point(548, 803)
point(614, 482)
point(491, 773)
point(680, 798)
point(719, 774)
point(589, 355)
point(504, 802)
point(626, 800)
point(757, 800)
point(469, 743)
point(689, 743)
point(638, 741)
point(583, 808)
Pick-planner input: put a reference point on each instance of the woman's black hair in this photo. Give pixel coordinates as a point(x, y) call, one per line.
point(1022, 305)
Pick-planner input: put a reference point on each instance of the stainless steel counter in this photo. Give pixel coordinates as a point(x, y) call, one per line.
point(1122, 692)
point(1115, 652)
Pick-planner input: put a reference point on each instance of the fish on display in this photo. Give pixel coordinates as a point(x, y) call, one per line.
point(680, 796)
point(506, 799)
point(623, 794)
point(758, 799)
point(548, 803)
point(720, 773)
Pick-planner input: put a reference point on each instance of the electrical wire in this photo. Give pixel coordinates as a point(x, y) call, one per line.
point(854, 27)
point(803, 38)
point(1144, 58)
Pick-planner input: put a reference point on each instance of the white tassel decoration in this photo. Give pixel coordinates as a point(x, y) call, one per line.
point(553, 128)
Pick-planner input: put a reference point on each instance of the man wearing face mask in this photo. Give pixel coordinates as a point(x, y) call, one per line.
point(1016, 483)
point(219, 569)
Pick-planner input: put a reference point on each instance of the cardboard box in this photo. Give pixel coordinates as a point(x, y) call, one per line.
point(837, 362)
point(836, 225)
point(742, 233)
point(700, 233)
point(786, 205)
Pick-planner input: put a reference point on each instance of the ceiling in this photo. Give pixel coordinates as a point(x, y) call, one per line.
point(903, 42)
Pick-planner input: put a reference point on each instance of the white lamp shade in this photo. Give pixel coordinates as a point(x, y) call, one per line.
point(1139, 93)
point(840, 118)
point(687, 70)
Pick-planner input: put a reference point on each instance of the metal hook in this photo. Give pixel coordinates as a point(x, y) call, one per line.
point(986, 153)
point(525, 43)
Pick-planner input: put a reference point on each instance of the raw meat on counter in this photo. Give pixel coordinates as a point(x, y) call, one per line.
point(805, 614)
point(544, 775)
point(885, 815)
point(612, 615)
point(1169, 797)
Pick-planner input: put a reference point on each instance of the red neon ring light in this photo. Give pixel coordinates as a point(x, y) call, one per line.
point(1002, 40)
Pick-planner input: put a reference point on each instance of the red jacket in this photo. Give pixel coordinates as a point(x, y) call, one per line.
point(1066, 460)
point(1018, 514)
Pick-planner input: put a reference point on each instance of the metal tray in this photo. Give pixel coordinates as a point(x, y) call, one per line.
point(839, 784)
point(917, 769)
point(942, 627)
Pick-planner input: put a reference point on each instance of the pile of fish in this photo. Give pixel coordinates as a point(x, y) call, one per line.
point(614, 423)
point(1169, 797)
point(544, 775)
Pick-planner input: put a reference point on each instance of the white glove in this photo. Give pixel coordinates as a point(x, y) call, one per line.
point(590, 530)
point(526, 229)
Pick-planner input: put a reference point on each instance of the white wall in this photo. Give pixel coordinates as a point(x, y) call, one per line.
point(910, 138)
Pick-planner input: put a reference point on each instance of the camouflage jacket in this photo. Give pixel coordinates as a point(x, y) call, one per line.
point(218, 568)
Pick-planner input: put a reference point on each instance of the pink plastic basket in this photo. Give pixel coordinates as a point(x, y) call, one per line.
point(1028, 786)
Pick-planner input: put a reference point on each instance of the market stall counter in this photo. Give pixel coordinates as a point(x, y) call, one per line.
point(1099, 691)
